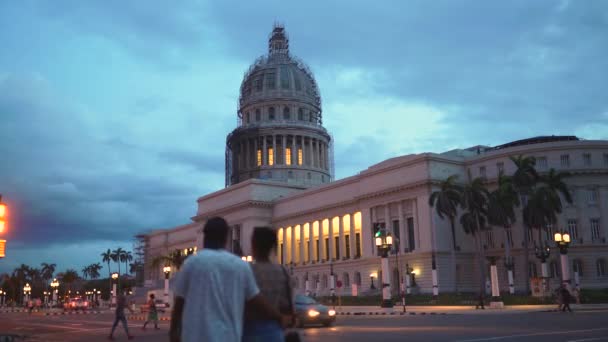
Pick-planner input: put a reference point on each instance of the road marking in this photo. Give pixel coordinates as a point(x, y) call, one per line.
point(531, 335)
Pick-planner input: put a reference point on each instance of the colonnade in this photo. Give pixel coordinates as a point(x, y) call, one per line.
point(336, 238)
point(283, 149)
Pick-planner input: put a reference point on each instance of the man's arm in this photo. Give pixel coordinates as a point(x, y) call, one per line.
point(260, 305)
point(176, 319)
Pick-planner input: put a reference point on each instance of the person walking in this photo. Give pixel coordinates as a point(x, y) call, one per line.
point(121, 304)
point(566, 298)
point(152, 313)
point(275, 285)
point(212, 290)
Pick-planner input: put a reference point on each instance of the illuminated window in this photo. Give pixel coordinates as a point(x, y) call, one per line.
point(259, 157)
point(270, 156)
point(288, 156)
point(299, 156)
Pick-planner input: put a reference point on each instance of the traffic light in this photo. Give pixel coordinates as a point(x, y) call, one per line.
point(377, 231)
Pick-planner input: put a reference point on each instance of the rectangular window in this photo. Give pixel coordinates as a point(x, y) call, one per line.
point(299, 156)
point(594, 196)
point(270, 80)
point(595, 229)
point(270, 156)
point(573, 229)
point(288, 156)
point(347, 246)
point(565, 160)
point(326, 254)
point(259, 157)
point(500, 166)
point(358, 245)
point(482, 171)
point(337, 247)
point(397, 234)
point(410, 234)
point(318, 248)
point(587, 159)
point(258, 115)
point(541, 162)
point(601, 268)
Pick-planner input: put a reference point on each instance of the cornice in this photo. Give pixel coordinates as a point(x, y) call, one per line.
point(235, 207)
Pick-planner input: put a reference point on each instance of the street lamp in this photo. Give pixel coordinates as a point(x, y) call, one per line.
point(55, 286)
point(247, 258)
point(563, 241)
point(543, 253)
point(2, 293)
point(371, 277)
point(384, 242)
point(114, 280)
point(27, 290)
point(167, 271)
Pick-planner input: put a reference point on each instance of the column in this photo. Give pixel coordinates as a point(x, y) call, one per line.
point(330, 235)
point(351, 237)
point(321, 161)
point(284, 139)
point(341, 242)
point(311, 243)
point(321, 241)
point(264, 152)
point(255, 152)
point(302, 244)
point(368, 245)
point(294, 150)
point(304, 150)
point(293, 244)
point(387, 218)
point(274, 149)
point(310, 152)
point(402, 229)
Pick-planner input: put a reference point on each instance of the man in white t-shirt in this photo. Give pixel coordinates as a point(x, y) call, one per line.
point(211, 291)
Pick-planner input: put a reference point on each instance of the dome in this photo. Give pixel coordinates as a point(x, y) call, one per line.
point(279, 75)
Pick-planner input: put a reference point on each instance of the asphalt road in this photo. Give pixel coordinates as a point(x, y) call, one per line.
point(582, 326)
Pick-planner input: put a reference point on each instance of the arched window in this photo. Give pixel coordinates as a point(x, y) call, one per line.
point(345, 280)
point(358, 278)
point(286, 113)
point(577, 266)
point(258, 115)
point(601, 267)
point(300, 114)
point(271, 113)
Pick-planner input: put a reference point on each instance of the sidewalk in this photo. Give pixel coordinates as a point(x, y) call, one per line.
point(451, 310)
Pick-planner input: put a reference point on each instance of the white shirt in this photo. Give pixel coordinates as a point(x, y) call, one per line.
point(215, 285)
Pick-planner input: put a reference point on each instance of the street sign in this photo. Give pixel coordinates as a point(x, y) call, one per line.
point(339, 283)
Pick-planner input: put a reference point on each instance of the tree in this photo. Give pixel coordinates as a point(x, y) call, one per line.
point(85, 272)
point(446, 202)
point(69, 277)
point(474, 200)
point(116, 255)
point(175, 259)
point(47, 271)
point(501, 212)
point(107, 257)
point(126, 257)
point(525, 178)
point(94, 270)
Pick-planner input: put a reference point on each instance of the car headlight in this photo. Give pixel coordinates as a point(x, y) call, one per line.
point(332, 312)
point(313, 313)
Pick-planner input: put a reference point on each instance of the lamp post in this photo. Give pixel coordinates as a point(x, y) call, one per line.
point(384, 242)
point(114, 280)
point(563, 241)
point(167, 271)
point(27, 290)
point(55, 289)
point(543, 253)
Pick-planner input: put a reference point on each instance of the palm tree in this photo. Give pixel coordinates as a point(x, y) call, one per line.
point(94, 270)
point(116, 255)
point(446, 201)
point(107, 257)
point(69, 277)
point(126, 257)
point(501, 212)
point(525, 178)
point(85, 272)
point(175, 259)
point(474, 199)
point(47, 271)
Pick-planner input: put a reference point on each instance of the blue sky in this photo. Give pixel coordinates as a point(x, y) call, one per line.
point(113, 114)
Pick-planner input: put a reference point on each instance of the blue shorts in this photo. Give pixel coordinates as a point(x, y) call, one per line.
point(263, 331)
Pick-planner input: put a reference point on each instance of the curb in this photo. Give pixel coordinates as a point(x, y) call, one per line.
point(359, 313)
point(72, 313)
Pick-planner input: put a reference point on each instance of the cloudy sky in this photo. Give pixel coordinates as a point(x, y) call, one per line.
point(113, 114)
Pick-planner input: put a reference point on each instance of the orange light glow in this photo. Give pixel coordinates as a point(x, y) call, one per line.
point(2, 248)
point(2, 210)
point(2, 225)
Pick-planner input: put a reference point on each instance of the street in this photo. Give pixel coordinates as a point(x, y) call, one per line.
point(583, 325)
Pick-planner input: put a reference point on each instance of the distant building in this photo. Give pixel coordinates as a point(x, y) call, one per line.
point(279, 171)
